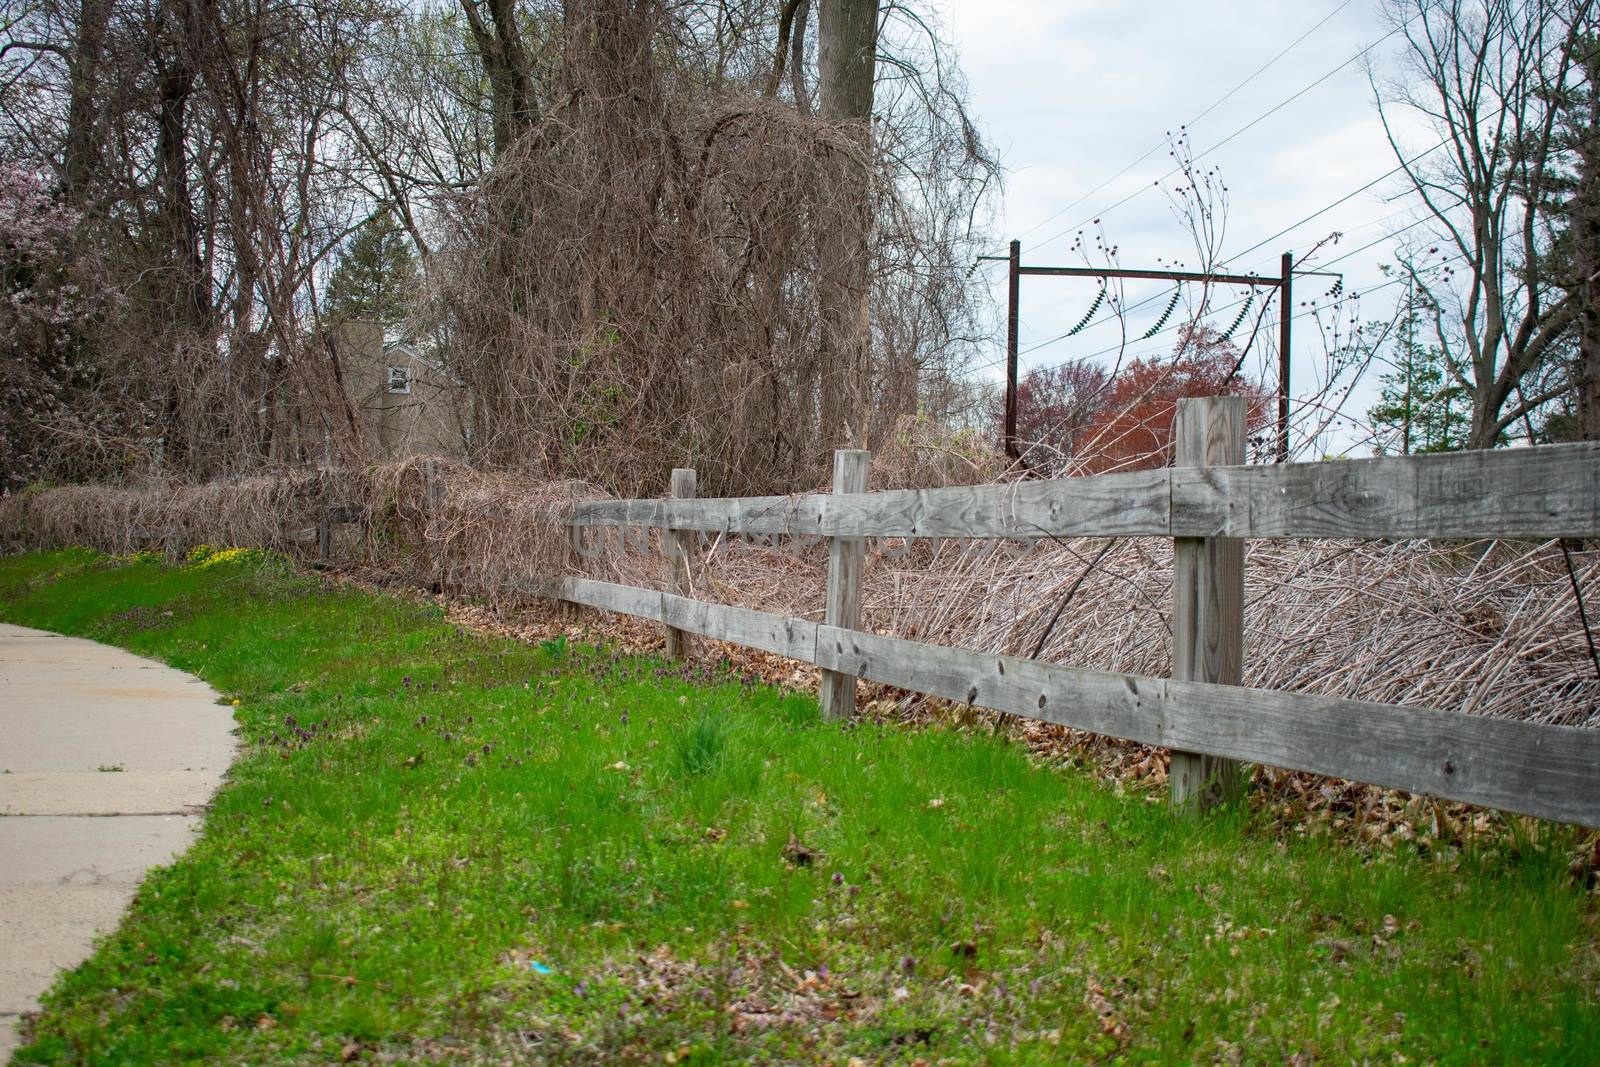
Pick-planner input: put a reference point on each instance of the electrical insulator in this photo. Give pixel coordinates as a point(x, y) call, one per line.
point(1087, 315)
point(1165, 315)
point(1239, 319)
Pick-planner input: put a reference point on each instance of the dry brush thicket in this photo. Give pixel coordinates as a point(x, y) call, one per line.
point(648, 276)
point(1488, 628)
point(604, 333)
point(637, 242)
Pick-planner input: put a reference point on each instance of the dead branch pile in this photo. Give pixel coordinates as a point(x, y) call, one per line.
point(259, 511)
point(1488, 628)
point(633, 286)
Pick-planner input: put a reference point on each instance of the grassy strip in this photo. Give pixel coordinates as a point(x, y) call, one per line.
point(443, 847)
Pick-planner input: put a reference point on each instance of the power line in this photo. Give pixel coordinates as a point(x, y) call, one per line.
point(1224, 98)
point(1097, 322)
point(1374, 243)
point(1215, 311)
point(1063, 336)
point(1260, 263)
point(1113, 315)
point(1403, 166)
point(1218, 310)
point(1349, 196)
point(1225, 307)
point(1308, 313)
point(1343, 199)
point(1280, 105)
point(1274, 109)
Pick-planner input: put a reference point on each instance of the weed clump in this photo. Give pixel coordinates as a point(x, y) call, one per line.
point(702, 747)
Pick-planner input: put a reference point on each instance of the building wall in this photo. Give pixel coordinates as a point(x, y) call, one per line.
point(431, 419)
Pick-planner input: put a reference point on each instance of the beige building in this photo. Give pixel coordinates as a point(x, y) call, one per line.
point(408, 404)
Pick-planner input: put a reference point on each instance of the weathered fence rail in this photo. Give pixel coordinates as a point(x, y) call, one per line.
point(1548, 771)
point(1551, 491)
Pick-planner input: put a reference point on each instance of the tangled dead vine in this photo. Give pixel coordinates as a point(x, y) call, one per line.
point(645, 279)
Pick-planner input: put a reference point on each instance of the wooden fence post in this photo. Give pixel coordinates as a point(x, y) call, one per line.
point(1207, 595)
point(679, 545)
point(433, 493)
point(846, 556)
point(324, 534)
point(570, 610)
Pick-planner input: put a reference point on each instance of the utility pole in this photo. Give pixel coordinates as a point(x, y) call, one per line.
point(1284, 283)
point(1285, 316)
point(1013, 297)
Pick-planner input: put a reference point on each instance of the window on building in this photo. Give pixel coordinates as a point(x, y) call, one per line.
point(399, 380)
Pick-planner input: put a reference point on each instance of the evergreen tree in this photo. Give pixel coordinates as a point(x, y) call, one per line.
point(1573, 213)
point(375, 274)
point(1422, 405)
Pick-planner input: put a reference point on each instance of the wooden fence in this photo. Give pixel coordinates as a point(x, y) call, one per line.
point(1208, 502)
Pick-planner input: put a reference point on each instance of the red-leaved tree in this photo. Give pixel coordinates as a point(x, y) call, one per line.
point(1054, 404)
point(1132, 428)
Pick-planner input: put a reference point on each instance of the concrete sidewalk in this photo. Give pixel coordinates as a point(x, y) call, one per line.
point(86, 732)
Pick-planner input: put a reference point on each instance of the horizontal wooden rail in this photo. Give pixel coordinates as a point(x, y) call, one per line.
point(1549, 491)
point(1533, 769)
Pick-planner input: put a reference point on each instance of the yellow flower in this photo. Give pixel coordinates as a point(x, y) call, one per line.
point(228, 555)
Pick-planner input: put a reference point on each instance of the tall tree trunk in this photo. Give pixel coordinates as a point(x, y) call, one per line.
point(1585, 215)
point(82, 149)
point(797, 58)
point(506, 64)
point(182, 287)
point(191, 292)
point(846, 60)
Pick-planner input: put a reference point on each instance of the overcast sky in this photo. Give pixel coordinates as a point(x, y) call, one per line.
point(1070, 92)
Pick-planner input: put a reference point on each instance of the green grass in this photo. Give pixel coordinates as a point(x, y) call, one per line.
point(703, 871)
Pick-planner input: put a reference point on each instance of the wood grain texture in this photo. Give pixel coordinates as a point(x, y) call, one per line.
point(679, 547)
point(846, 558)
point(433, 499)
point(1207, 596)
point(569, 610)
point(1529, 768)
point(778, 634)
point(1130, 503)
point(1549, 491)
point(1547, 771)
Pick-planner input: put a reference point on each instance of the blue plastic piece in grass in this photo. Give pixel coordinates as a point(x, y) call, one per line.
point(538, 968)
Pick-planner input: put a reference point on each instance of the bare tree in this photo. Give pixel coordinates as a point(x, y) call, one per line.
point(693, 287)
point(623, 210)
point(1480, 73)
point(199, 140)
point(497, 33)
